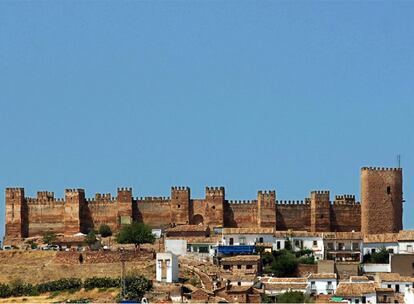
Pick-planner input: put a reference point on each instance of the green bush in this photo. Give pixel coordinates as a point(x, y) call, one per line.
point(136, 286)
point(18, 289)
point(101, 282)
point(60, 285)
point(105, 230)
point(5, 291)
point(291, 297)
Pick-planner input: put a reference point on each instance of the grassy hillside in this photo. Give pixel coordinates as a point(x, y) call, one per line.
point(41, 266)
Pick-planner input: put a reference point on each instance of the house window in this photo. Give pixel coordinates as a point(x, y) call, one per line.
point(315, 243)
point(238, 266)
point(356, 301)
point(239, 283)
point(278, 247)
point(242, 240)
point(330, 246)
point(226, 267)
point(388, 190)
point(364, 299)
point(260, 240)
point(297, 243)
point(397, 287)
point(249, 266)
point(355, 246)
point(389, 285)
point(390, 250)
point(373, 250)
point(178, 206)
point(410, 249)
point(231, 241)
point(214, 207)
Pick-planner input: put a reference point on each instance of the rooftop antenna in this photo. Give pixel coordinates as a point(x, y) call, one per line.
point(399, 160)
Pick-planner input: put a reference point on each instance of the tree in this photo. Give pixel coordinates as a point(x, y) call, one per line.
point(380, 257)
point(285, 265)
point(49, 237)
point(135, 233)
point(90, 238)
point(105, 230)
point(135, 287)
point(291, 297)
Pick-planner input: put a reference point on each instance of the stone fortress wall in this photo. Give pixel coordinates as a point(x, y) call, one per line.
point(381, 193)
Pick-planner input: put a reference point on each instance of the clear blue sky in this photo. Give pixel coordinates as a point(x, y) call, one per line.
point(250, 95)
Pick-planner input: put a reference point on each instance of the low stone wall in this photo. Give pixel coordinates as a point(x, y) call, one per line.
point(99, 257)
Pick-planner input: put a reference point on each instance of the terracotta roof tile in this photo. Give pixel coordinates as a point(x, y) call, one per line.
point(347, 289)
point(393, 277)
point(272, 280)
point(342, 236)
point(184, 228)
point(322, 276)
point(406, 235)
point(253, 230)
point(285, 286)
point(358, 279)
point(381, 238)
point(241, 258)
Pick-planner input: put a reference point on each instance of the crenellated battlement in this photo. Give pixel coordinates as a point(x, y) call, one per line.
point(292, 202)
point(37, 201)
point(180, 188)
point(215, 191)
point(153, 198)
point(266, 192)
point(242, 202)
point(124, 189)
point(45, 195)
point(320, 192)
point(380, 169)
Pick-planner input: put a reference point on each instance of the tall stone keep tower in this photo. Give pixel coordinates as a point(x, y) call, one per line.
point(74, 203)
point(180, 205)
point(266, 209)
point(381, 200)
point(16, 215)
point(320, 211)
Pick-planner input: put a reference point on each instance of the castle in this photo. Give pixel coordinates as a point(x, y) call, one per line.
point(380, 210)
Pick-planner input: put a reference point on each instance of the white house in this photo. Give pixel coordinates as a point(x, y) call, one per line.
point(176, 246)
point(406, 241)
point(275, 286)
point(308, 240)
point(342, 246)
point(247, 236)
point(409, 296)
point(395, 281)
point(166, 267)
point(322, 283)
point(375, 242)
point(280, 239)
point(356, 293)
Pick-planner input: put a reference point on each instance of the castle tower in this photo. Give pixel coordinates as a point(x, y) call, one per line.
point(320, 211)
point(180, 205)
point(381, 200)
point(74, 204)
point(124, 206)
point(214, 212)
point(16, 215)
point(266, 209)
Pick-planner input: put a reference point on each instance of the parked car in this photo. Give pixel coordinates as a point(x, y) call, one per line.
point(7, 247)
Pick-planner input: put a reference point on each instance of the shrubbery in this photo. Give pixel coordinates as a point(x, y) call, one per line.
point(60, 285)
point(101, 282)
point(5, 291)
point(135, 286)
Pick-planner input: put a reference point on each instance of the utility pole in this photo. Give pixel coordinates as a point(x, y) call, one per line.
point(123, 285)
